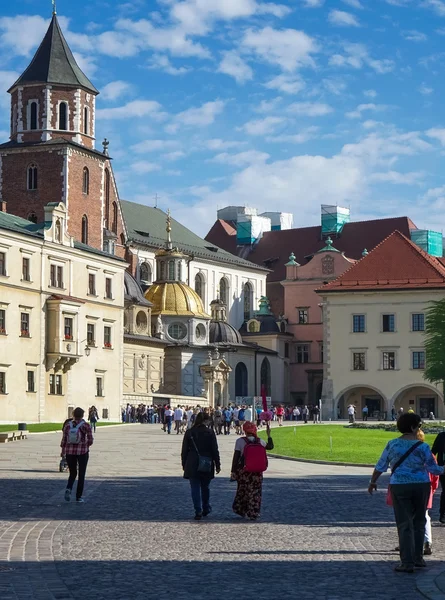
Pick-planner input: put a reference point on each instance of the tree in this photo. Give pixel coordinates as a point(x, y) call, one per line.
point(435, 343)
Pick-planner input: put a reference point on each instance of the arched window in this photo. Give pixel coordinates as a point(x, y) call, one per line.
point(266, 380)
point(179, 270)
point(32, 217)
point(145, 275)
point(84, 229)
point(63, 116)
point(86, 181)
point(161, 275)
point(224, 291)
point(33, 115)
point(86, 120)
point(32, 177)
point(107, 197)
point(241, 380)
point(200, 286)
point(171, 270)
point(114, 223)
point(248, 301)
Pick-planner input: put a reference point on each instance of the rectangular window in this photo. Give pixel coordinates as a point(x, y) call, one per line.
point(2, 382)
point(24, 324)
point(303, 353)
point(303, 316)
point(91, 338)
point(2, 263)
point(68, 328)
point(55, 385)
point(56, 276)
point(388, 323)
point(321, 352)
point(2, 322)
point(31, 381)
point(358, 323)
point(286, 350)
point(99, 387)
point(108, 288)
point(59, 385)
point(389, 361)
point(418, 322)
point(359, 361)
point(92, 284)
point(107, 337)
point(419, 360)
point(26, 273)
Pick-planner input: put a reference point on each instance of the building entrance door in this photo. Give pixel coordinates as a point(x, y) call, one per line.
point(427, 406)
point(374, 404)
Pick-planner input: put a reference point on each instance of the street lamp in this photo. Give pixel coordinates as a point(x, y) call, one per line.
point(87, 350)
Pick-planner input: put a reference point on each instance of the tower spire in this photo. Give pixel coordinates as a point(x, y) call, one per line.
point(169, 231)
point(54, 7)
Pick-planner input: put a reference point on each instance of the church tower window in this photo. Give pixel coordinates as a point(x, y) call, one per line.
point(86, 120)
point(32, 217)
point(33, 115)
point(171, 270)
point(114, 223)
point(63, 116)
point(86, 181)
point(84, 229)
point(32, 177)
point(107, 197)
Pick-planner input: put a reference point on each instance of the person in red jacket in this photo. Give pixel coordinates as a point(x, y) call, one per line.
point(76, 441)
point(280, 413)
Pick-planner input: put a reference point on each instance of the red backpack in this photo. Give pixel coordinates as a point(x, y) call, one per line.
point(255, 457)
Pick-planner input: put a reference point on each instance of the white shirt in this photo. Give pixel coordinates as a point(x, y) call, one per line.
point(179, 413)
point(351, 410)
point(168, 412)
point(235, 413)
point(248, 414)
point(189, 414)
point(296, 412)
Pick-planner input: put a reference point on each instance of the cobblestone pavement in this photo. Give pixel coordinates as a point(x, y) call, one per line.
point(321, 536)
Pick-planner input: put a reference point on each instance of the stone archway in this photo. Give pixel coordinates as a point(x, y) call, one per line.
point(359, 396)
point(422, 398)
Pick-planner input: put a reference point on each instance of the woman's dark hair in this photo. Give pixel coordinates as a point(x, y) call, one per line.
point(407, 422)
point(201, 419)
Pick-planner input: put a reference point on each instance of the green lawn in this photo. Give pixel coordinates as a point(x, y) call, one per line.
point(348, 445)
point(42, 427)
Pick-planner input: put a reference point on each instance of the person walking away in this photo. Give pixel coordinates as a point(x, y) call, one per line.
point(438, 450)
point(168, 418)
point(200, 459)
point(93, 418)
point(365, 412)
point(295, 414)
point(305, 413)
point(178, 414)
point(76, 441)
point(351, 413)
point(410, 461)
point(227, 414)
point(218, 419)
point(316, 413)
point(248, 414)
point(248, 465)
point(241, 420)
point(280, 414)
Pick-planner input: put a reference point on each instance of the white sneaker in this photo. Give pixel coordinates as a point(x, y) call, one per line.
point(67, 494)
point(80, 500)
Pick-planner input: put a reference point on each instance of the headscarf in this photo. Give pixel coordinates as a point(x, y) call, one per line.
point(250, 428)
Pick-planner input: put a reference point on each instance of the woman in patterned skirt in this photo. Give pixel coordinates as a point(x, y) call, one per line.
point(247, 501)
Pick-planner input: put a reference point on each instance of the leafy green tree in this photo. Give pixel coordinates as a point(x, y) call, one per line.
point(435, 343)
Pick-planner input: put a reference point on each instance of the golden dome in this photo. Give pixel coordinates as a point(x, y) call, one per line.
point(174, 298)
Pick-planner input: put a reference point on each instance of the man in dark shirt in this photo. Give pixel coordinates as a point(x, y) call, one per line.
point(438, 450)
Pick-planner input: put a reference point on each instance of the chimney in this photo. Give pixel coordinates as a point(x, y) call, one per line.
point(3, 206)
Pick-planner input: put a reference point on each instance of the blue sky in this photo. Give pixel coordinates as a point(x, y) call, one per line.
point(278, 105)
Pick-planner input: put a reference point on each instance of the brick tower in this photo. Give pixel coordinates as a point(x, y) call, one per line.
point(51, 155)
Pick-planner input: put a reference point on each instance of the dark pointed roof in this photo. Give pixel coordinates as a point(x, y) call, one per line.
point(54, 63)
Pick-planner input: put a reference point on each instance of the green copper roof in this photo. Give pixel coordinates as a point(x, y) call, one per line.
point(329, 247)
point(292, 262)
point(264, 306)
point(146, 226)
point(54, 63)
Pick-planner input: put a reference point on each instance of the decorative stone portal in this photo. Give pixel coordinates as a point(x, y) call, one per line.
point(216, 373)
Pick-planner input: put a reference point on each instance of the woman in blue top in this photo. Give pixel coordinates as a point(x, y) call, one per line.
point(410, 462)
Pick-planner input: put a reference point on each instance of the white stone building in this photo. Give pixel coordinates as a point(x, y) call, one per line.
point(374, 321)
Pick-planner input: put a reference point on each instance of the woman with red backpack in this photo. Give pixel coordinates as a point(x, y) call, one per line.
point(248, 465)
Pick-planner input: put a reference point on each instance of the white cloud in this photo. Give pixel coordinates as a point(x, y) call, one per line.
point(437, 133)
point(232, 64)
point(396, 178)
point(357, 56)
point(288, 84)
point(377, 148)
point(115, 89)
point(154, 146)
point(198, 117)
point(414, 36)
point(7, 79)
point(361, 108)
point(241, 159)
point(298, 138)
point(217, 144)
point(370, 93)
point(287, 48)
point(425, 90)
point(309, 109)
point(353, 3)
point(160, 62)
point(342, 19)
point(262, 126)
point(175, 155)
point(266, 106)
point(136, 108)
point(438, 6)
point(313, 3)
point(371, 124)
point(22, 33)
point(145, 167)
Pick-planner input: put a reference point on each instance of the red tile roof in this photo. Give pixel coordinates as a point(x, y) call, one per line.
point(224, 232)
point(395, 264)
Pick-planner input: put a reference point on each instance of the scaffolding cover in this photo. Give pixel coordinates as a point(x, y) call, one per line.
point(250, 229)
point(430, 241)
point(333, 218)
